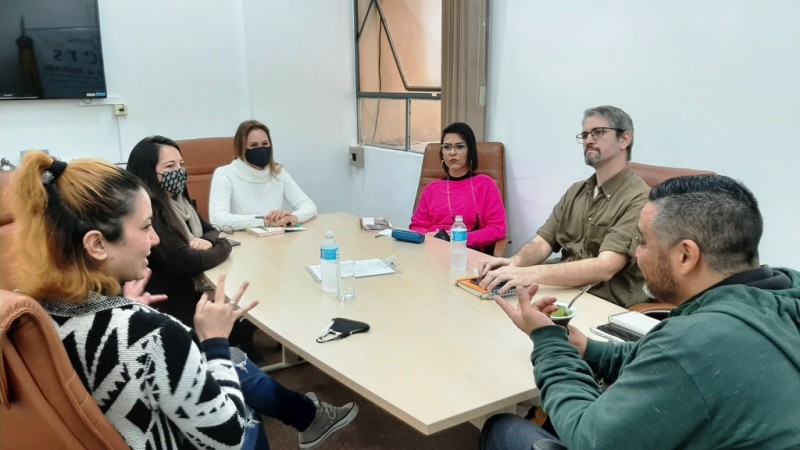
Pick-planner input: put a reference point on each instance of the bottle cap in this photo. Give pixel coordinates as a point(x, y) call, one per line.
point(329, 234)
point(458, 218)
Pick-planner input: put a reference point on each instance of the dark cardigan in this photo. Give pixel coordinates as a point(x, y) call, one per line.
point(176, 266)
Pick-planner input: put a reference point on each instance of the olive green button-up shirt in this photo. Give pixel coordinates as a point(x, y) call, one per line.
point(582, 225)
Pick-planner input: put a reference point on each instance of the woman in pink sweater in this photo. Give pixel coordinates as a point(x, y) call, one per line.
point(462, 193)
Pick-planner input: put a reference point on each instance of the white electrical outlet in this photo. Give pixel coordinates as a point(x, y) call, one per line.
point(120, 109)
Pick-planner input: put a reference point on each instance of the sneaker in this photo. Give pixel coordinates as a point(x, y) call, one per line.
point(328, 420)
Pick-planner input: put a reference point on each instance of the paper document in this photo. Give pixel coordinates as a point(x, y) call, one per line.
point(375, 223)
point(364, 268)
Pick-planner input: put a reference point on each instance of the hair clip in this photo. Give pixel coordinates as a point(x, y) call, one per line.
point(47, 177)
point(55, 170)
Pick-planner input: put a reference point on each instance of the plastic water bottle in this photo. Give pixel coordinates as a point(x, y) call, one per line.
point(329, 263)
point(458, 245)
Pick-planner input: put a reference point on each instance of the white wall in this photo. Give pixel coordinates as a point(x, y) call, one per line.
point(709, 84)
point(301, 70)
point(387, 185)
point(180, 70)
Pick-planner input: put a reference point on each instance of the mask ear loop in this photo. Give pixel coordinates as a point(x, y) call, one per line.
point(328, 334)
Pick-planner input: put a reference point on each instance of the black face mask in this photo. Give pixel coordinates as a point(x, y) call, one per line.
point(259, 156)
point(174, 181)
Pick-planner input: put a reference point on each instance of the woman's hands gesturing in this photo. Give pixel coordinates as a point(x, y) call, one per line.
point(215, 318)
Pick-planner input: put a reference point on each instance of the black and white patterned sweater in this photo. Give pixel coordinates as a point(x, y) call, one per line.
point(148, 375)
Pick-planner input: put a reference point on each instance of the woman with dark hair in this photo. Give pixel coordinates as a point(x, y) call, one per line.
point(189, 245)
point(462, 192)
point(253, 190)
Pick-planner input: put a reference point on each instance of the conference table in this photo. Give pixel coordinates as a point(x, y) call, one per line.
point(436, 356)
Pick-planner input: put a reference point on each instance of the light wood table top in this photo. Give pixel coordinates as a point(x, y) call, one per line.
point(435, 356)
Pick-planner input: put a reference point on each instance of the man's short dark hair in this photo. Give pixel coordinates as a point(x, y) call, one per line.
point(717, 212)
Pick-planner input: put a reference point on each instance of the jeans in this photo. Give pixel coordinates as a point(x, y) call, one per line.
point(269, 398)
point(512, 432)
point(255, 438)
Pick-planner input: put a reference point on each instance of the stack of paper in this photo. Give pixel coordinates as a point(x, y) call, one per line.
point(364, 268)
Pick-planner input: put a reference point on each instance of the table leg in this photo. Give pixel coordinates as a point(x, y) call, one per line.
point(288, 359)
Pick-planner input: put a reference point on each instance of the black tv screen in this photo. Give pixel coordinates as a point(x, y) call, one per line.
point(50, 49)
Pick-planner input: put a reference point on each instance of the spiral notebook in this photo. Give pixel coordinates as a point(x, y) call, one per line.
point(633, 321)
point(472, 285)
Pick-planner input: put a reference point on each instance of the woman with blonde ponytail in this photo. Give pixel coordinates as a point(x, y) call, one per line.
point(81, 229)
point(57, 266)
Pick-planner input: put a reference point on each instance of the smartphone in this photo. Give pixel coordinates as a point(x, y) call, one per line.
point(618, 332)
point(477, 280)
point(496, 290)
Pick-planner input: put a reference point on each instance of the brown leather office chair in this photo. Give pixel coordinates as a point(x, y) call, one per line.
point(653, 175)
point(201, 157)
point(44, 403)
point(6, 225)
point(491, 162)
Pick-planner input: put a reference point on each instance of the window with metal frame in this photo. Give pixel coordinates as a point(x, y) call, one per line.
point(398, 72)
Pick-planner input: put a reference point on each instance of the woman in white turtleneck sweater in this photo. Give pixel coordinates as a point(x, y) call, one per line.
point(252, 190)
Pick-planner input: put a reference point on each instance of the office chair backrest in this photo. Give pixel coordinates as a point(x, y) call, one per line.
point(6, 228)
point(491, 162)
point(44, 403)
point(653, 175)
point(202, 156)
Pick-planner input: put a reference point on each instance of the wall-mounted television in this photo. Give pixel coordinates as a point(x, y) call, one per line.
point(50, 50)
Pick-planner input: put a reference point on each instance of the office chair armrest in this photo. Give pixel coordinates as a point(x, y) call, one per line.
point(656, 310)
point(500, 247)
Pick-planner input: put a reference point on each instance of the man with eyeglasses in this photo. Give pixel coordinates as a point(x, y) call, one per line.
point(593, 225)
